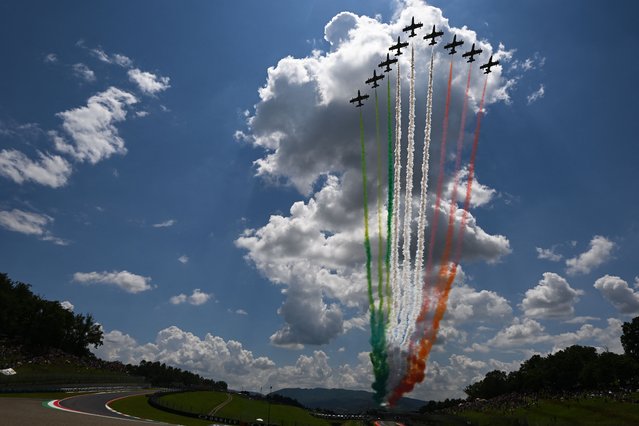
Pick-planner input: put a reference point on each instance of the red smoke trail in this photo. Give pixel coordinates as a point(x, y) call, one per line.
point(443, 265)
point(417, 362)
point(440, 179)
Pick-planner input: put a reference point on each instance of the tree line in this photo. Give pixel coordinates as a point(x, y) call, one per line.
point(40, 324)
point(576, 368)
point(160, 374)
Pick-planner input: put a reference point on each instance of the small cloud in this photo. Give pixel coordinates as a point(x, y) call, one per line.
point(141, 113)
point(165, 224)
point(84, 72)
point(131, 283)
point(196, 298)
point(29, 223)
point(123, 61)
point(581, 320)
point(147, 82)
point(67, 305)
point(241, 312)
point(600, 251)
point(536, 95)
point(342, 349)
point(548, 254)
point(49, 170)
point(51, 58)
point(183, 259)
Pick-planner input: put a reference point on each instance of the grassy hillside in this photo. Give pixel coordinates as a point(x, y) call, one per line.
point(240, 408)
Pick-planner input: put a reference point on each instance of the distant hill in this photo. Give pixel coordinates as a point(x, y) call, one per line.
point(343, 401)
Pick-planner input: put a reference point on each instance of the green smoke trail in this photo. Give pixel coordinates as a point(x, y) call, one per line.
point(367, 241)
point(378, 354)
point(389, 211)
point(380, 249)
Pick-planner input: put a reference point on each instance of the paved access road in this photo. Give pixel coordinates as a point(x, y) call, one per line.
point(31, 412)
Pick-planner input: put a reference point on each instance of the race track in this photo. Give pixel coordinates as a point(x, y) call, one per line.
point(32, 412)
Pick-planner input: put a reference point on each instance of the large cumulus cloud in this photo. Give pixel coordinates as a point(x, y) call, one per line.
point(309, 134)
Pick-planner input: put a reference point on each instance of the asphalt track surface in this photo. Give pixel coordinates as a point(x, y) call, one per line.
point(31, 412)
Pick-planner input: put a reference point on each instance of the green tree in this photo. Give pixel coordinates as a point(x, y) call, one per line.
point(630, 338)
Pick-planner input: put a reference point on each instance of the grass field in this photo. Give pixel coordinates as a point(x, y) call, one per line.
point(242, 408)
point(139, 406)
point(595, 412)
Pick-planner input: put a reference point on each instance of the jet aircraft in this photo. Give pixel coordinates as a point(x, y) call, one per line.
point(374, 79)
point(453, 44)
point(387, 63)
point(433, 35)
point(488, 65)
point(359, 98)
point(398, 47)
point(472, 52)
point(412, 27)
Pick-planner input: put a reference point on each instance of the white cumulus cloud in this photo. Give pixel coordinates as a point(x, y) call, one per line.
point(600, 251)
point(617, 291)
point(548, 254)
point(196, 298)
point(91, 128)
point(127, 281)
point(67, 305)
point(48, 170)
point(147, 82)
point(551, 298)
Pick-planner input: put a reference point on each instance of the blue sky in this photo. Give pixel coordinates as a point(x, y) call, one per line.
point(176, 180)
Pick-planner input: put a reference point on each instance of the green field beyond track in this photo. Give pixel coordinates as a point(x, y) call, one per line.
point(240, 408)
point(598, 411)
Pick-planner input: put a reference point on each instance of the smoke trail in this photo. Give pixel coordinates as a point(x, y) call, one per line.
point(380, 249)
point(421, 223)
point(408, 198)
point(367, 241)
point(389, 210)
point(394, 356)
point(443, 266)
point(378, 321)
point(417, 363)
point(440, 179)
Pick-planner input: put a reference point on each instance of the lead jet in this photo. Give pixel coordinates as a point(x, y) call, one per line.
point(453, 44)
point(488, 65)
point(359, 98)
point(412, 27)
point(433, 35)
point(374, 79)
point(472, 52)
point(399, 46)
point(387, 63)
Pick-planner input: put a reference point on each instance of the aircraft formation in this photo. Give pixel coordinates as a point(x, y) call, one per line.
point(432, 37)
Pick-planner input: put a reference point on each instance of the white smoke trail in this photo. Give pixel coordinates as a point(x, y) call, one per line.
point(408, 206)
point(394, 357)
point(421, 223)
point(397, 164)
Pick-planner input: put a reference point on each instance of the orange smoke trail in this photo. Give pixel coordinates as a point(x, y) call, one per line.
point(417, 362)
